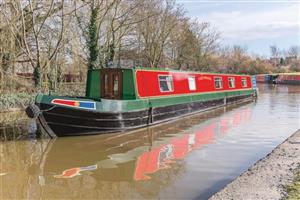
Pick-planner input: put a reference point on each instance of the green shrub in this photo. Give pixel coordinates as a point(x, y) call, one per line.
point(15, 100)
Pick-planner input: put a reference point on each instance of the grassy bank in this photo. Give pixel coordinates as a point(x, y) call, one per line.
point(294, 189)
point(13, 101)
point(20, 100)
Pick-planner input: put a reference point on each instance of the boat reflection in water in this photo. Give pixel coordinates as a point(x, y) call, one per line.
point(70, 173)
point(134, 165)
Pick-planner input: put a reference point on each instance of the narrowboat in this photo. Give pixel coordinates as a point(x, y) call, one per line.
point(289, 78)
point(280, 78)
point(119, 99)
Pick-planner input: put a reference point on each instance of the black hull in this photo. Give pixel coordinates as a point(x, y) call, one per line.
point(63, 121)
point(284, 82)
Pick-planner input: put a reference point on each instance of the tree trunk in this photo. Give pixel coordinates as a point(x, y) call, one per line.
point(93, 39)
point(37, 77)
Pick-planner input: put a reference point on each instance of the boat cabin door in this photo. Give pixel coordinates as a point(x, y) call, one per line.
point(111, 84)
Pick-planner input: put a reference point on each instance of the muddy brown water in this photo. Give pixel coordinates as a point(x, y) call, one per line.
point(191, 158)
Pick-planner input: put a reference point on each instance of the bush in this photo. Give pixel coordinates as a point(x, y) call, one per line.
point(15, 100)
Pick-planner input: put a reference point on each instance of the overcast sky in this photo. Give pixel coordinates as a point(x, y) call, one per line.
point(256, 24)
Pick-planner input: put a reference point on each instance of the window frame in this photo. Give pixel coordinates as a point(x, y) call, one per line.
point(244, 80)
point(172, 81)
point(231, 78)
point(218, 77)
point(195, 85)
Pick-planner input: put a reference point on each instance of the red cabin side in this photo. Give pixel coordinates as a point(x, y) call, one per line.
point(148, 83)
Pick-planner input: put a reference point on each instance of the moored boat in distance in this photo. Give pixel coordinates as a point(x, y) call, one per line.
point(280, 78)
point(119, 99)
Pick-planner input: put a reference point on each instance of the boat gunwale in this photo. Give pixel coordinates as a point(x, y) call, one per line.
point(104, 130)
point(147, 101)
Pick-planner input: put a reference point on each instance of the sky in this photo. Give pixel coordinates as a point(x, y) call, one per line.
point(254, 24)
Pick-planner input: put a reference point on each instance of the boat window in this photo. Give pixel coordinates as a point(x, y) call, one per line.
point(218, 83)
point(116, 84)
point(244, 82)
point(231, 82)
point(165, 83)
point(192, 83)
point(106, 86)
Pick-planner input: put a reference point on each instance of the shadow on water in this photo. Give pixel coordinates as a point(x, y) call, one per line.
point(189, 158)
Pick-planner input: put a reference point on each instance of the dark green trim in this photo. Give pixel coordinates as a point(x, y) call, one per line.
point(173, 100)
point(128, 86)
point(88, 83)
point(93, 86)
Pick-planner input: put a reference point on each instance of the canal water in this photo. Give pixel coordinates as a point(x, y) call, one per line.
point(191, 158)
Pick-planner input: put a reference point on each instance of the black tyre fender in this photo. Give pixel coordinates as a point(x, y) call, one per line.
point(32, 111)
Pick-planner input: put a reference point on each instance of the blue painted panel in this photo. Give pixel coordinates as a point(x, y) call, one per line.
point(267, 77)
point(90, 105)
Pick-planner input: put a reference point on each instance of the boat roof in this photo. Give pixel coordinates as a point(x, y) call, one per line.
point(171, 70)
point(289, 73)
point(187, 71)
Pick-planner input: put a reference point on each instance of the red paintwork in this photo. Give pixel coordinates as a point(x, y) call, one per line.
point(281, 77)
point(285, 77)
point(147, 82)
point(65, 102)
point(260, 78)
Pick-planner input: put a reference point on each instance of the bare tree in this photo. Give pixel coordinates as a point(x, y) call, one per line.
point(183, 43)
point(155, 32)
point(62, 36)
point(193, 45)
point(38, 31)
point(207, 43)
point(275, 52)
point(92, 28)
point(294, 51)
point(120, 23)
